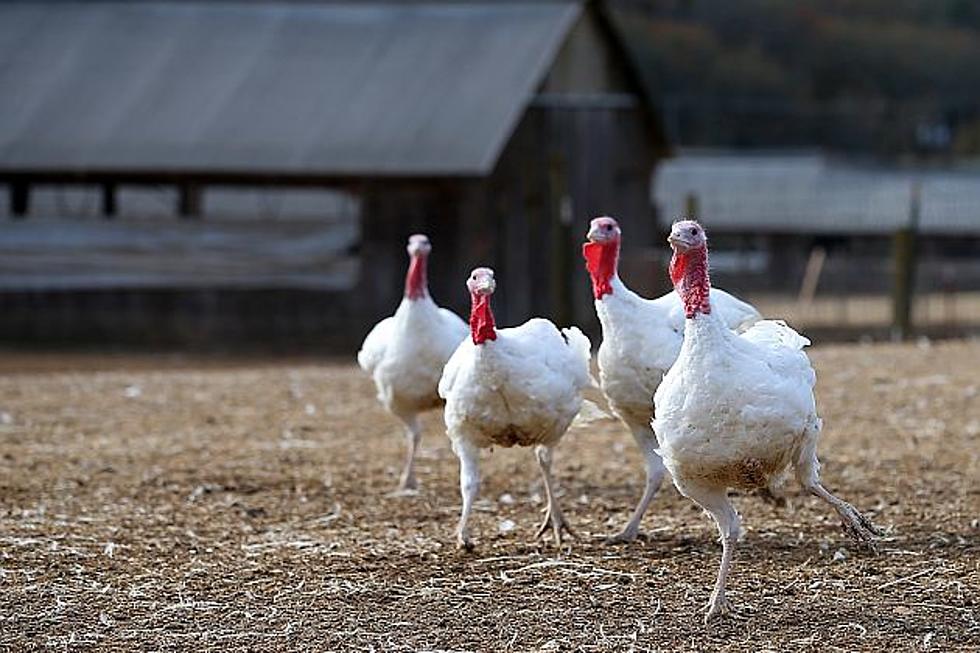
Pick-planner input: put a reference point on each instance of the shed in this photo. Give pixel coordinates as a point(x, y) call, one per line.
point(768, 212)
point(498, 128)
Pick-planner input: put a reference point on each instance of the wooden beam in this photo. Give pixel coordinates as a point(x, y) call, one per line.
point(270, 178)
point(43, 254)
point(109, 203)
point(189, 200)
point(586, 101)
point(20, 199)
point(561, 225)
point(692, 210)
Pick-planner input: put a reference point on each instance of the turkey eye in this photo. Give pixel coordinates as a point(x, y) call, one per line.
point(694, 230)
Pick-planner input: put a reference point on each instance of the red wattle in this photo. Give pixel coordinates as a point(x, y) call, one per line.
point(689, 272)
point(600, 261)
point(482, 326)
point(416, 281)
point(677, 264)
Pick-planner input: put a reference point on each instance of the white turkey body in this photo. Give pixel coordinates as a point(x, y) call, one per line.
point(641, 339)
point(511, 387)
point(524, 388)
point(736, 410)
point(405, 353)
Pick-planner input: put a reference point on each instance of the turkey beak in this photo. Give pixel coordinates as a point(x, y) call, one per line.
point(676, 241)
point(418, 249)
point(487, 286)
point(593, 235)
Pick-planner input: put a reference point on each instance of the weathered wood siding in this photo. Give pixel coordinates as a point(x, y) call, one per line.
point(584, 148)
point(59, 254)
point(562, 168)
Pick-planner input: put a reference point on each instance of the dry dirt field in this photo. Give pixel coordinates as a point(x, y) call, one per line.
point(167, 504)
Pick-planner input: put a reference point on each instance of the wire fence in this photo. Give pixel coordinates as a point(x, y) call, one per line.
point(833, 245)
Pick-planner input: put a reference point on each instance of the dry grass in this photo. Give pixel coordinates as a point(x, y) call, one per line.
point(230, 508)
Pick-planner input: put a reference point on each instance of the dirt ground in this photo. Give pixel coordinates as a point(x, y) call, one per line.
point(161, 504)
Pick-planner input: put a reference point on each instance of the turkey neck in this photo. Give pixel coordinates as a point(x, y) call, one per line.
point(417, 281)
point(482, 326)
point(601, 260)
point(689, 272)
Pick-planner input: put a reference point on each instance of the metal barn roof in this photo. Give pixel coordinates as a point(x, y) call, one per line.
point(358, 88)
point(809, 193)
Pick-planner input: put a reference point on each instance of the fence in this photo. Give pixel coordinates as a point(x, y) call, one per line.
point(834, 246)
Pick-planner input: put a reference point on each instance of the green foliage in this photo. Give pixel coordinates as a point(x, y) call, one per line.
point(851, 74)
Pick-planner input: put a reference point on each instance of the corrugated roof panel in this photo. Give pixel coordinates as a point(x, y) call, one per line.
point(359, 88)
point(810, 194)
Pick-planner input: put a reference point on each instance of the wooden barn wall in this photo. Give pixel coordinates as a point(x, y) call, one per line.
point(190, 311)
point(585, 147)
point(586, 63)
point(288, 321)
point(511, 221)
point(566, 162)
point(599, 161)
point(449, 213)
point(209, 283)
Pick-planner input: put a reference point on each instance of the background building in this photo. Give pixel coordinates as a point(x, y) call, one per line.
point(199, 171)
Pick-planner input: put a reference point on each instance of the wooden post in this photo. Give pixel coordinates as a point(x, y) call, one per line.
point(189, 202)
point(691, 208)
point(811, 276)
point(20, 199)
point(109, 205)
point(561, 226)
point(903, 253)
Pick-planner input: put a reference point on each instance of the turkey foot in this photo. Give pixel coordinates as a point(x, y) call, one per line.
point(408, 483)
point(554, 518)
point(718, 607)
point(856, 525)
point(859, 527)
point(625, 536)
point(463, 540)
point(647, 442)
point(553, 514)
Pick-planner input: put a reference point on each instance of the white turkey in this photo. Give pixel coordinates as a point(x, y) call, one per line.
point(505, 387)
point(405, 353)
point(640, 341)
point(736, 411)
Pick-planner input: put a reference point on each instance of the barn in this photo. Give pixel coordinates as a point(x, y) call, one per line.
point(768, 212)
point(202, 173)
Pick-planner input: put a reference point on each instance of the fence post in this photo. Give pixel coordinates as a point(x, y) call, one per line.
point(562, 310)
point(109, 203)
point(691, 208)
point(189, 200)
point(903, 252)
point(20, 199)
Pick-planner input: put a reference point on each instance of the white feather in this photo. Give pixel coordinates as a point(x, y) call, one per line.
point(641, 339)
point(734, 410)
point(524, 388)
point(406, 352)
